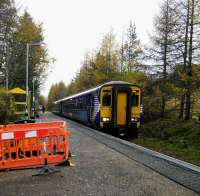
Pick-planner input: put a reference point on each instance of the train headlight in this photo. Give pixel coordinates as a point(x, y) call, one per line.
point(105, 119)
point(134, 119)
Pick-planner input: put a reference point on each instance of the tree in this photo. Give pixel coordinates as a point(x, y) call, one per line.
point(193, 7)
point(103, 65)
point(122, 58)
point(98, 67)
point(61, 90)
point(132, 49)
point(51, 96)
point(7, 107)
point(162, 48)
point(8, 19)
point(189, 47)
point(107, 59)
point(85, 78)
point(27, 31)
point(42, 101)
point(57, 92)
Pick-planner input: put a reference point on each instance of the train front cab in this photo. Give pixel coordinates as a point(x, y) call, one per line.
point(120, 108)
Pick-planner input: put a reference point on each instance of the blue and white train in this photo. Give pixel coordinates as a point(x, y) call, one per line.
point(115, 105)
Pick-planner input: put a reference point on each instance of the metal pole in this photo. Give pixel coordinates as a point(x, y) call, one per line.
point(33, 92)
point(27, 93)
point(6, 80)
point(27, 55)
point(7, 68)
point(33, 96)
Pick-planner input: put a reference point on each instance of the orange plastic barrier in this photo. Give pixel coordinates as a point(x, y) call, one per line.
point(33, 145)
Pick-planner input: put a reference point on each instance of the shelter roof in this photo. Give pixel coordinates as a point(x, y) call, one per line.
point(17, 90)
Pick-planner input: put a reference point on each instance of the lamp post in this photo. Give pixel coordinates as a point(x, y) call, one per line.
point(34, 79)
point(27, 66)
point(7, 68)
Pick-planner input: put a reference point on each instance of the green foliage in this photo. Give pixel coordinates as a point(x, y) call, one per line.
point(132, 50)
point(27, 31)
point(137, 78)
point(16, 32)
point(57, 91)
point(164, 79)
point(7, 24)
point(51, 97)
point(196, 105)
point(103, 65)
point(171, 73)
point(180, 78)
point(7, 107)
point(173, 137)
point(42, 100)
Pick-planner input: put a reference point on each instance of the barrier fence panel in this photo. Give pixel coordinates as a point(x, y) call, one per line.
point(33, 145)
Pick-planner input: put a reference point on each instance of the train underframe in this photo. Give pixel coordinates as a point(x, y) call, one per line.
point(130, 131)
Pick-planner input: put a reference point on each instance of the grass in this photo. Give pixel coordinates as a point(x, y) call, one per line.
point(175, 138)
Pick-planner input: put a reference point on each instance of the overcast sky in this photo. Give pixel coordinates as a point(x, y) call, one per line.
point(73, 27)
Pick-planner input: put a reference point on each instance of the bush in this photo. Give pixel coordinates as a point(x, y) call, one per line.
point(172, 130)
point(7, 107)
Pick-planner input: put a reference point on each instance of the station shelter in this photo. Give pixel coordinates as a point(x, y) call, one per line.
point(19, 96)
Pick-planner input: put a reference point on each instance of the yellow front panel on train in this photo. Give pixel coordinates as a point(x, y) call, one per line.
point(121, 108)
point(106, 104)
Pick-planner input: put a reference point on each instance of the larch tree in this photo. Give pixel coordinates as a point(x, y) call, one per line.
point(189, 46)
point(107, 59)
point(162, 48)
point(132, 49)
point(122, 58)
point(52, 96)
point(85, 78)
point(193, 49)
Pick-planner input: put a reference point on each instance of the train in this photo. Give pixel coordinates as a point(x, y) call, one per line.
point(114, 106)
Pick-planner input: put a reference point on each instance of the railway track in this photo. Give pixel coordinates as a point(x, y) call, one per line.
point(181, 172)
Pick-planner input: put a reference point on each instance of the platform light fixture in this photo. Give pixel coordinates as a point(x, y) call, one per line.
point(28, 45)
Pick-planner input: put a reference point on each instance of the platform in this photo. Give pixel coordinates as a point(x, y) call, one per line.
point(99, 170)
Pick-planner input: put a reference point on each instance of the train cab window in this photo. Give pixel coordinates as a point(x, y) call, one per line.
point(134, 100)
point(106, 99)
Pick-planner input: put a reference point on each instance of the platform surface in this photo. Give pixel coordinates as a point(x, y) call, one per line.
point(99, 170)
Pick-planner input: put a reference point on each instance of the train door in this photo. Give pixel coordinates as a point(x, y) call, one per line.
point(121, 108)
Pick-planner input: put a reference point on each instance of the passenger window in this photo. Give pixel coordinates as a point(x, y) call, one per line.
point(134, 100)
point(106, 100)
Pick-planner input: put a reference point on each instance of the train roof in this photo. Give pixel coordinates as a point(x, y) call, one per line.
point(93, 89)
